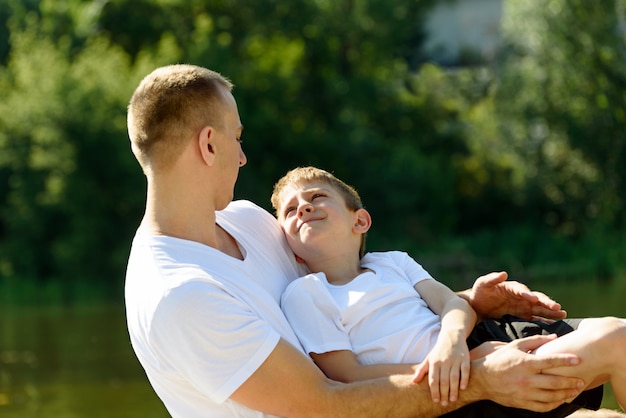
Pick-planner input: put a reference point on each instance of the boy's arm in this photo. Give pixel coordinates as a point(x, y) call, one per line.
point(343, 366)
point(448, 363)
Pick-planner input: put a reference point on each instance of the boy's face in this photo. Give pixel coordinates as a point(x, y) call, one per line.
point(316, 220)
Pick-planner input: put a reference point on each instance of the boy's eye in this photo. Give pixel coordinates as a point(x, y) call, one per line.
point(316, 195)
point(288, 211)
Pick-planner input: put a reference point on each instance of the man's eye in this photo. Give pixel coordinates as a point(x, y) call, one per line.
point(240, 139)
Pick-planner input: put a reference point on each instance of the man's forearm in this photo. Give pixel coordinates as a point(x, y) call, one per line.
point(508, 376)
point(396, 396)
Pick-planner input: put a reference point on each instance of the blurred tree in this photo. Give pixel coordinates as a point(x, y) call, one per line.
point(530, 146)
point(73, 193)
point(560, 110)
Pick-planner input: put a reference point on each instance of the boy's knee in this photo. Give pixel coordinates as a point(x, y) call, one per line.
point(614, 330)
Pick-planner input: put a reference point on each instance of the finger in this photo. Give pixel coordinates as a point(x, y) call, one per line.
point(542, 319)
point(546, 301)
point(541, 400)
point(422, 371)
point(433, 382)
point(455, 381)
point(544, 312)
point(531, 343)
point(540, 363)
point(444, 385)
point(465, 374)
point(564, 387)
point(493, 278)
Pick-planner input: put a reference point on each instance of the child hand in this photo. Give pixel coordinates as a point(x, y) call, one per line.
point(448, 368)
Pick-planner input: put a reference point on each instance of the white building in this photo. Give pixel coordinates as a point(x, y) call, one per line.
point(463, 32)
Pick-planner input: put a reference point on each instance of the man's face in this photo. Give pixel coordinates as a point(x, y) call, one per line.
point(230, 155)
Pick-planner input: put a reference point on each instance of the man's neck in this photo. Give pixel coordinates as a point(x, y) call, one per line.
point(176, 214)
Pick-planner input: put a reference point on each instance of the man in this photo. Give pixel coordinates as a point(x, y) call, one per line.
point(205, 276)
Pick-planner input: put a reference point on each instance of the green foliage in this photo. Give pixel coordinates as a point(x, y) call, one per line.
point(564, 74)
point(518, 165)
point(73, 192)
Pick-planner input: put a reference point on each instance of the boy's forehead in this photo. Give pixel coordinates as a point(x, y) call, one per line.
point(299, 186)
point(303, 185)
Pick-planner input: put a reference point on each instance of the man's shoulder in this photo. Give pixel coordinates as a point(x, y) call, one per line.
point(244, 210)
point(243, 205)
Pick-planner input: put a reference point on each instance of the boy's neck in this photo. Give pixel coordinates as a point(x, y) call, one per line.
point(338, 270)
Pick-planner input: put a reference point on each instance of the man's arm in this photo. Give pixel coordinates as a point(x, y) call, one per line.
point(492, 296)
point(289, 384)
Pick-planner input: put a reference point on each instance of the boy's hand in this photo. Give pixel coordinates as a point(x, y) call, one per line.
point(448, 368)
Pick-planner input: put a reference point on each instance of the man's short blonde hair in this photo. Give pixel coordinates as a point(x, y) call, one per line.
point(169, 107)
point(304, 175)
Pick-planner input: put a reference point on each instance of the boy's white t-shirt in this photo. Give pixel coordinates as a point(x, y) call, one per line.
point(378, 315)
point(201, 322)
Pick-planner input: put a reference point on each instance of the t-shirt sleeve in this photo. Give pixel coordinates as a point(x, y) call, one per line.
point(411, 268)
point(314, 316)
point(211, 338)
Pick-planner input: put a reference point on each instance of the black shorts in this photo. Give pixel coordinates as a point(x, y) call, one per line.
point(510, 328)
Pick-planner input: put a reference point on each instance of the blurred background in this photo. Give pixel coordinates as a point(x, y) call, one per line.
point(482, 135)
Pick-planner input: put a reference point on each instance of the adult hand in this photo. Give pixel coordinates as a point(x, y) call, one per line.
point(512, 377)
point(492, 296)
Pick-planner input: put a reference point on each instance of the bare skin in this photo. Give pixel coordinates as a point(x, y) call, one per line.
point(600, 343)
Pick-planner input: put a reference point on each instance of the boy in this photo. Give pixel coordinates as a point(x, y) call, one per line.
point(363, 316)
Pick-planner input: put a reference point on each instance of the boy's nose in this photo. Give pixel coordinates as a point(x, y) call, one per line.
point(306, 208)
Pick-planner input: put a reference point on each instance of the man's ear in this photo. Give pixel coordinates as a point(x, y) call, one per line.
point(206, 144)
point(363, 221)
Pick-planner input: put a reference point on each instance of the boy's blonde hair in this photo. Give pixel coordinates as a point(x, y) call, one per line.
point(169, 107)
point(303, 175)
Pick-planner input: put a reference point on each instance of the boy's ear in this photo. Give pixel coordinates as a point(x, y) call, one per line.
point(206, 145)
point(363, 221)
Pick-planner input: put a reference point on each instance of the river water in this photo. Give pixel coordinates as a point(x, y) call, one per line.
point(75, 362)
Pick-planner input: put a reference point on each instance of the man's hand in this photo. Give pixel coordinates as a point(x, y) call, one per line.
point(512, 377)
point(492, 297)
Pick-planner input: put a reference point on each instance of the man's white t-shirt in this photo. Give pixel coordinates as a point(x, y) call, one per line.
point(379, 315)
point(201, 322)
